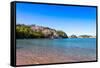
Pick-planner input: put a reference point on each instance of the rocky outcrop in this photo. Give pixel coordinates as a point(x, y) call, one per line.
point(48, 32)
point(34, 31)
point(73, 36)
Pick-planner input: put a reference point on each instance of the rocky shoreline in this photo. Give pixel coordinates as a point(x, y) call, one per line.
point(35, 31)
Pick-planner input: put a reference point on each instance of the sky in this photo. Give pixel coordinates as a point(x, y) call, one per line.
point(70, 19)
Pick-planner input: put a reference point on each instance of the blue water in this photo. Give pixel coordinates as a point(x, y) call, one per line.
point(83, 47)
point(71, 42)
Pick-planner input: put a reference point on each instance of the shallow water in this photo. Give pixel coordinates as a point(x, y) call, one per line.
point(78, 49)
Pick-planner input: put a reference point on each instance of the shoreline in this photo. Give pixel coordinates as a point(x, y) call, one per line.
point(59, 38)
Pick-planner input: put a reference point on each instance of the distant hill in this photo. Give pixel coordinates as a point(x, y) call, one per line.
point(86, 36)
point(82, 36)
point(34, 31)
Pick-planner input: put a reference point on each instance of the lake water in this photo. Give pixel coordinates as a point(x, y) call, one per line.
point(78, 49)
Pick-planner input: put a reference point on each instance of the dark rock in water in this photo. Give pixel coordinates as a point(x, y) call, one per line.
point(73, 36)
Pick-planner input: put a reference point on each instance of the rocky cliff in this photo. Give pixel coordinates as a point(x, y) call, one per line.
point(34, 31)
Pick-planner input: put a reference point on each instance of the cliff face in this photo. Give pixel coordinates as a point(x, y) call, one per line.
point(48, 32)
point(34, 31)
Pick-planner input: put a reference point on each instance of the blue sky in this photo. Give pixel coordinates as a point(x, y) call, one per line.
point(71, 19)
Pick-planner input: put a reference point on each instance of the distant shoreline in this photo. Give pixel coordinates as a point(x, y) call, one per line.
point(34, 31)
point(55, 38)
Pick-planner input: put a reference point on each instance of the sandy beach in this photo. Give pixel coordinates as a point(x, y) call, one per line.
point(25, 57)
